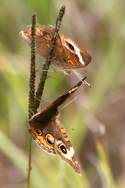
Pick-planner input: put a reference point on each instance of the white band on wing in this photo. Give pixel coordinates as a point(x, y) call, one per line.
point(77, 51)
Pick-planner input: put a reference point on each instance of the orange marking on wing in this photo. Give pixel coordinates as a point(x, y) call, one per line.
point(41, 139)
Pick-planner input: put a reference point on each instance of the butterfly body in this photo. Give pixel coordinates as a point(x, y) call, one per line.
point(67, 54)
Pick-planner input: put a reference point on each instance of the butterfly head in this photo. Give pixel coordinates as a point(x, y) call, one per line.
point(42, 35)
point(26, 35)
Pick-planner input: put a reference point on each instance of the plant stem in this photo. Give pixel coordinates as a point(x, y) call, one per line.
point(46, 65)
point(31, 94)
point(34, 100)
point(32, 69)
point(29, 162)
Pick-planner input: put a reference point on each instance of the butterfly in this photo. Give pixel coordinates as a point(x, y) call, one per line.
point(49, 134)
point(67, 55)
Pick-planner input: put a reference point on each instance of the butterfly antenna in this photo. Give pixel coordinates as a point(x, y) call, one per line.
point(74, 88)
point(79, 76)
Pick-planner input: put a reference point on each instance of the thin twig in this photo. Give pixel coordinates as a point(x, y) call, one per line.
point(31, 94)
point(40, 88)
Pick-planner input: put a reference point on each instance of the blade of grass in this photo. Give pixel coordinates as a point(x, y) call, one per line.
point(105, 165)
point(18, 157)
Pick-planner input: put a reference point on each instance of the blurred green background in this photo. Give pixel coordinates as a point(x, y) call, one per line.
point(95, 121)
